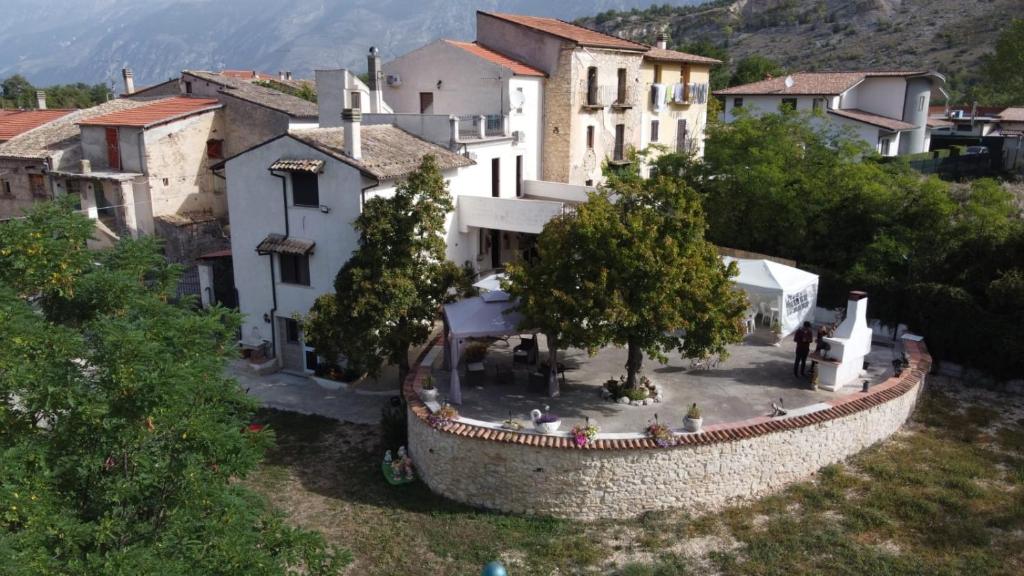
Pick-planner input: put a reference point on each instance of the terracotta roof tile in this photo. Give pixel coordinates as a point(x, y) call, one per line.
point(297, 165)
point(676, 56)
point(158, 112)
point(388, 152)
point(15, 122)
point(278, 243)
point(517, 67)
point(873, 119)
point(812, 83)
point(1012, 115)
point(566, 31)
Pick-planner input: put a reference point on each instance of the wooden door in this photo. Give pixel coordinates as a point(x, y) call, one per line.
point(426, 102)
point(113, 150)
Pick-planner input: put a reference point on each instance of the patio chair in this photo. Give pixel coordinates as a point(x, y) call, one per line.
point(525, 352)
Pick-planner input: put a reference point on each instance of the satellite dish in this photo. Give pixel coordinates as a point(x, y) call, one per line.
point(789, 81)
point(518, 99)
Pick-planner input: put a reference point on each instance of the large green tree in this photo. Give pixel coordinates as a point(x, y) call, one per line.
point(754, 68)
point(388, 294)
point(1002, 71)
point(121, 437)
point(631, 267)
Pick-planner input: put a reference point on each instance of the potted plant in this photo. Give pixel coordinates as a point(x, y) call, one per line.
point(583, 434)
point(511, 424)
point(428, 393)
point(475, 354)
point(661, 433)
point(445, 415)
point(777, 331)
point(546, 422)
point(693, 420)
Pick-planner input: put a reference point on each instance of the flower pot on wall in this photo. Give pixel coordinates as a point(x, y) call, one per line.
point(547, 427)
point(428, 395)
point(692, 424)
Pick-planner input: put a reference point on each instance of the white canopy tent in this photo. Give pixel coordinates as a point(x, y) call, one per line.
point(477, 317)
point(792, 292)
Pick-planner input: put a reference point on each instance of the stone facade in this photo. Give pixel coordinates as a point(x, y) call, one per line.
point(523, 473)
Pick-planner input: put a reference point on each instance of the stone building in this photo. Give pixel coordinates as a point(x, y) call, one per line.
point(675, 111)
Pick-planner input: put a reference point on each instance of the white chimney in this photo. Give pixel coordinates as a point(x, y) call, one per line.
point(41, 99)
point(856, 321)
point(280, 74)
point(662, 41)
point(129, 81)
point(287, 75)
point(86, 166)
point(373, 70)
point(351, 122)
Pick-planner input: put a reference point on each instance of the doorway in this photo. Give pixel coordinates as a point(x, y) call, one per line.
point(292, 350)
point(426, 102)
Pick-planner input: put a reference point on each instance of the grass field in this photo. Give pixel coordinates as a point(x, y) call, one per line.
point(945, 496)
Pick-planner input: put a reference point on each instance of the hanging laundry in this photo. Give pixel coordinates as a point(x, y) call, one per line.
point(658, 97)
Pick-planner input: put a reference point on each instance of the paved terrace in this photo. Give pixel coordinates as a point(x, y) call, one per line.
point(744, 386)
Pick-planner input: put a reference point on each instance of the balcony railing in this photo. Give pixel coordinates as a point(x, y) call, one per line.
point(604, 96)
point(482, 126)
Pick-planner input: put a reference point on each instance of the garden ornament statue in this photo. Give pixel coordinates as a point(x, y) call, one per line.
point(494, 569)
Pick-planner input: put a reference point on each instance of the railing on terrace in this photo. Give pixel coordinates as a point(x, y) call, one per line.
point(481, 126)
point(614, 96)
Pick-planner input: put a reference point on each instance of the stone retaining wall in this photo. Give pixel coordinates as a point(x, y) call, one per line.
point(622, 477)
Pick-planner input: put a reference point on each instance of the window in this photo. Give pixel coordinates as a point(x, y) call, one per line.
point(188, 87)
point(426, 102)
point(654, 130)
point(357, 100)
point(6, 188)
point(495, 177)
point(657, 73)
point(305, 189)
point(620, 138)
point(788, 104)
point(620, 94)
point(113, 149)
point(592, 86)
point(519, 176)
point(291, 331)
point(818, 104)
point(883, 146)
point(294, 269)
point(737, 102)
point(684, 79)
point(590, 137)
point(589, 183)
point(682, 136)
point(920, 103)
point(215, 149)
point(37, 184)
point(73, 188)
point(964, 127)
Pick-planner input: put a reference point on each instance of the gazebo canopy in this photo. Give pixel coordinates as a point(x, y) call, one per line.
point(792, 292)
point(477, 317)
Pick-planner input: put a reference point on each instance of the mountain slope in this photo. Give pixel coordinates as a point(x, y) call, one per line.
point(945, 35)
point(53, 41)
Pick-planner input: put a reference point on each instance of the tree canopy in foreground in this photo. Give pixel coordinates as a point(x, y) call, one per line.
point(631, 267)
point(121, 437)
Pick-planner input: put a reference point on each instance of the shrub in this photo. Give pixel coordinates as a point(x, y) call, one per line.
point(476, 352)
point(693, 413)
point(636, 393)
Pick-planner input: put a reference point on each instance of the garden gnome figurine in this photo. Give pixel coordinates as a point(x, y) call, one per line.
point(494, 569)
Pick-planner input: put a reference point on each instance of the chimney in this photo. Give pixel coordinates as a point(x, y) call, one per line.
point(287, 74)
point(86, 166)
point(351, 120)
point(662, 41)
point(280, 74)
point(856, 321)
point(374, 72)
point(129, 81)
point(41, 99)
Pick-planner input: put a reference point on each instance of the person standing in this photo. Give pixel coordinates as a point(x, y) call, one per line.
point(803, 338)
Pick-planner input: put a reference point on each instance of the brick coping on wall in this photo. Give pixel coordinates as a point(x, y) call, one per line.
point(892, 388)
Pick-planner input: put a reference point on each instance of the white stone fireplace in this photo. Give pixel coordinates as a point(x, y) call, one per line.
point(843, 363)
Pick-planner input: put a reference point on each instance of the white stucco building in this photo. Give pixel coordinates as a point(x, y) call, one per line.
point(888, 110)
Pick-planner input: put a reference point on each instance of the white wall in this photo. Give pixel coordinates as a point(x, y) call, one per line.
point(878, 95)
point(256, 208)
point(469, 84)
point(529, 121)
